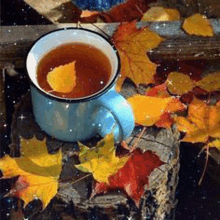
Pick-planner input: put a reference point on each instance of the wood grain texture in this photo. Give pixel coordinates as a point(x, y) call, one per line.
point(17, 40)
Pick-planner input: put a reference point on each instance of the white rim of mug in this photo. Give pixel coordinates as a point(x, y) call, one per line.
point(86, 98)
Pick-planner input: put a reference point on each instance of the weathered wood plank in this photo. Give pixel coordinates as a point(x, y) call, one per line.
point(2, 110)
point(17, 40)
point(58, 11)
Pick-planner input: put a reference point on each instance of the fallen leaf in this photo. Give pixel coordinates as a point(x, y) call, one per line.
point(179, 83)
point(161, 14)
point(87, 13)
point(101, 160)
point(202, 122)
point(133, 44)
point(210, 82)
point(215, 143)
point(148, 110)
point(159, 91)
point(126, 12)
point(38, 171)
point(133, 176)
point(198, 24)
point(62, 78)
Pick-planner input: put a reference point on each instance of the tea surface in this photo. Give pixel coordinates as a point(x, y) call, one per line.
point(93, 69)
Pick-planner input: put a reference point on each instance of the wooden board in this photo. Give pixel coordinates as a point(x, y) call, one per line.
point(17, 40)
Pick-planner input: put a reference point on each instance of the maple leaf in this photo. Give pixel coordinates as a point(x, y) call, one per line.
point(63, 78)
point(202, 122)
point(198, 24)
point(210, 82)
point(179, 83)
point(100, 160)
point(148, 110)
point(132, 45)
point(161, 14)
point(133, 176)
point(38, 171)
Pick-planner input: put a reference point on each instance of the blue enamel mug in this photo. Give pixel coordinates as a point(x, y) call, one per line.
point(78, 119)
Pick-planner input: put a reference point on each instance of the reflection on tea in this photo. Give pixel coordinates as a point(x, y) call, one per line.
point(93, 69)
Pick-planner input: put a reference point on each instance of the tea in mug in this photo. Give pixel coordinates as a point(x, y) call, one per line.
point(92, 67)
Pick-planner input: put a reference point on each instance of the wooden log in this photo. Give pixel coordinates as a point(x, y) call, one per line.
point(158, 201)
point(17, 40)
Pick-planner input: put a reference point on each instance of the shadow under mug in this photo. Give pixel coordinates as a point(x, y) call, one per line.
point(78, 119)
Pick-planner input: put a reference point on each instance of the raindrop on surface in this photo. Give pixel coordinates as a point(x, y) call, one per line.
point(99, 125)
point(71, 130)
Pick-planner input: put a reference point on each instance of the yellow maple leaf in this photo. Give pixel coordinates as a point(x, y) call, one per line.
point(179, 83)
point(202, 122)
point(133, 44)
point(161, 14)
point(148, 110)
point(101, 160)
point(210, 82)
point(198, 24)
point(62, 78)
point(38, 171)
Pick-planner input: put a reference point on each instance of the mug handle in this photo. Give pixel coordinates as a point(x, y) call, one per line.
point(114, 114)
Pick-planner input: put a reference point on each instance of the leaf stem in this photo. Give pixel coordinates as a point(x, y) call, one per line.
point(206, 164)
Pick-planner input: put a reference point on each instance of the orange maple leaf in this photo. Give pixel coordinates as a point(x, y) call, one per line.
point(38, 171)
point(202, 122)
point(153, 110)
point(133, 44)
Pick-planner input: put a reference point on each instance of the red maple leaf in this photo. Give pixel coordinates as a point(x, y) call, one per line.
point(133, 176)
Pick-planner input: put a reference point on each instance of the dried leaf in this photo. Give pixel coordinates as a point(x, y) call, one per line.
point(63, 78)
point(148, 110)
point(210, 82)
point(101, 160)
point(159, 91)
point(127, 11)
point(198, 24)
point(161, 14)
point(179, 83)
point(87, 13)
point(38, 171)
point(133, 44)
point(202, 122)
point(215, 143)
point(133, 176)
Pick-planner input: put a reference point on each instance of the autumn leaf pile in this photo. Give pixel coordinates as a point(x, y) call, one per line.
point(179, 95)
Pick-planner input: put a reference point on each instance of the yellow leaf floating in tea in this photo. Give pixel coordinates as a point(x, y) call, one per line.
point(198, 24)
point(161, 14)
point(63, 78)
